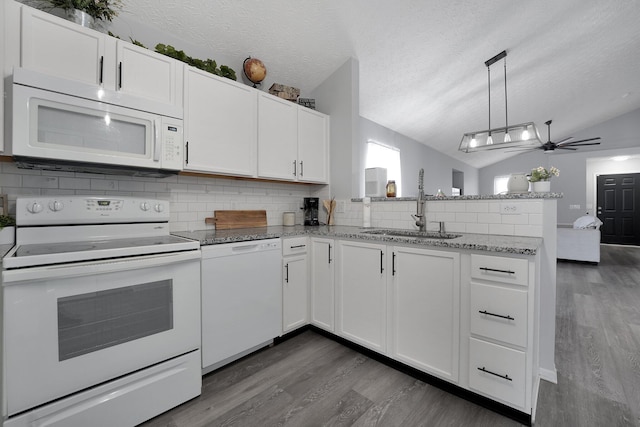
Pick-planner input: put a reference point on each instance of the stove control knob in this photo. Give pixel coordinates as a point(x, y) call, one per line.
point(56, 206)
point(34, 207)
point(159, 207)
point(144, 206)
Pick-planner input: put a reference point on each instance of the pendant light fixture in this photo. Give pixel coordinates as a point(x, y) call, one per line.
point(509, 136)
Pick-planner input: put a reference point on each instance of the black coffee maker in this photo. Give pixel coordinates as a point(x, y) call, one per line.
point(311, 210)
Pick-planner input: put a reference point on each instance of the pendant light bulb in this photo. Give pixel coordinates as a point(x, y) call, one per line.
point(473, 142)
point(525, 134)
point(490, 140)
point(507, 137)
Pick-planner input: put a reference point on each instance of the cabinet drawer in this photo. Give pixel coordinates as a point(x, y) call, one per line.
point(499, 313)
point(500, 269)
point(497, 371)
point(294, 245)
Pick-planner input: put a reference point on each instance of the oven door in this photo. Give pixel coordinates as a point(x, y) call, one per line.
point(73, 326)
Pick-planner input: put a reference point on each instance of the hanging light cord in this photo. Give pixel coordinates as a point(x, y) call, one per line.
point(506, 110)
point(489, 84)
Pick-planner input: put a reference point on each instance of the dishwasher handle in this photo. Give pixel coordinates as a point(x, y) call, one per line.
point(245, 248)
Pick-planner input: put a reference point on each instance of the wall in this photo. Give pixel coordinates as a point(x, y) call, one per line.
point(620, 135)
point(338, 96)
point(437, 167)
point(192, 199)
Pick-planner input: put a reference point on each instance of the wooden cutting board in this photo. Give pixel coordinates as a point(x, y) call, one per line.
point(226, 220)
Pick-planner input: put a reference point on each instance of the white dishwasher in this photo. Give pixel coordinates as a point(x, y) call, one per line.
point(241, 299)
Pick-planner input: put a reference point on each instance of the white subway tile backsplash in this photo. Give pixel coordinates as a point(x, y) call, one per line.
point(528, 230)
point(489, 218)
point(466, 217)
point(35, 181)
point(502, 229)
point(477, 228)
point(104, 184)
point(519, 219)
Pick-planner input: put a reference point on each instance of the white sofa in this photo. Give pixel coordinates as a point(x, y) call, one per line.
point(580, 241)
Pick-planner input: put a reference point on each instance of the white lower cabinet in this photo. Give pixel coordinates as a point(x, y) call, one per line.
point(425, 310)
point(323, 283)
point(497, 371)
point(295, 298)
point(465, 317)
point(361, 285)
point(502, 345)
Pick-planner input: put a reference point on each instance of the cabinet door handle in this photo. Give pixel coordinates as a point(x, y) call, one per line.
point(504, 377)
point(294, 168)
point(120, 75)
point(297, 246)
point(186, 154)
point(393, 263)
point(494, 270)
point(381, 266)
point(329, 254)
point(301, 168)
point(496, 315)
point(286, 277)
point(101, 68)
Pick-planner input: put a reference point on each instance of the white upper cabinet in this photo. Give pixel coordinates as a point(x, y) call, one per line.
point(277, 138)
point(313, 145)
point(60, 48)
point(148, 74)
point(220, 125)
point(293, 141)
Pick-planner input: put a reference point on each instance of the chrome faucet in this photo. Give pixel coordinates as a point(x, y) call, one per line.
point(421, 223)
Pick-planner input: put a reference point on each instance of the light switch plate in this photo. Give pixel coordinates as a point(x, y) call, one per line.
point(574, 206)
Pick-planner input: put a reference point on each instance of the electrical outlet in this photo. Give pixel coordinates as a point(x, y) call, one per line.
point(574, 206)
point(510, 208)
point(341, 206)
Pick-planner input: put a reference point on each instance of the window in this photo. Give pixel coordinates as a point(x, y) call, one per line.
point(383, 156)
point(500, 184)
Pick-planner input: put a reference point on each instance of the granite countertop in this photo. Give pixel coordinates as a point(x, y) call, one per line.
point(483, 242)
point(505, 196)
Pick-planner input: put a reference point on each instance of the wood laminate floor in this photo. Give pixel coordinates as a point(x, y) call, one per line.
point(311, 380)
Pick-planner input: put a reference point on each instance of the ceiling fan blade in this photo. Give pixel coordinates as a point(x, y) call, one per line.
point(581, 140)
point(566, 148)
point(563, 140)
point(521, 149)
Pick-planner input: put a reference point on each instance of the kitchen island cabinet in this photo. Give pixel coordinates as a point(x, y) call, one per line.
point(60, 48)
point(220, 121)
point(361, 294)
point(425, 310)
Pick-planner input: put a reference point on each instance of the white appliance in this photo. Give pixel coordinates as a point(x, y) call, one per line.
point(241, 299)
point(64, 125)
point(375, 182)
point(101, 313)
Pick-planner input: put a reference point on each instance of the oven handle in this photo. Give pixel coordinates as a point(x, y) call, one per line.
point(90, 268)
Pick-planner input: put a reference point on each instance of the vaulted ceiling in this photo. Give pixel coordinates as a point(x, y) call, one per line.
point(422, 70)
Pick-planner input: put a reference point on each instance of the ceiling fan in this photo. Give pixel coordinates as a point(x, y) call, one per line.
point(563, 144)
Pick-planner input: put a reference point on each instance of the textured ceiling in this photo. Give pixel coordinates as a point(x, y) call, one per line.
point(422, 69)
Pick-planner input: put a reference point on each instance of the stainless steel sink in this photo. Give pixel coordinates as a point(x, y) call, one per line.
point(411, 233)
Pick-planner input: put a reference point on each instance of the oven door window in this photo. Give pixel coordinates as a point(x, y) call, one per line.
point(97, 320)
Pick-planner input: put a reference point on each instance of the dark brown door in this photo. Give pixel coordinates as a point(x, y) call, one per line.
point(618, 198)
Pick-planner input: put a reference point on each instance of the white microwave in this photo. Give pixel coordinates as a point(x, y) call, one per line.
point(59, 122)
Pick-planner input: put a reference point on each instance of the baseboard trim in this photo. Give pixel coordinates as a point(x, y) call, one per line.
point(550, 375)
point(463, 393)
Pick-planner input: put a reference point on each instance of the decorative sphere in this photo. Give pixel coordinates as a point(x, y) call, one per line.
point(255, 70)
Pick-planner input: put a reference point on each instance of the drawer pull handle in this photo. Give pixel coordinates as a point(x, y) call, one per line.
point(297, 246)
point(496, 315)
point(495, 270)
point(504, 377)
